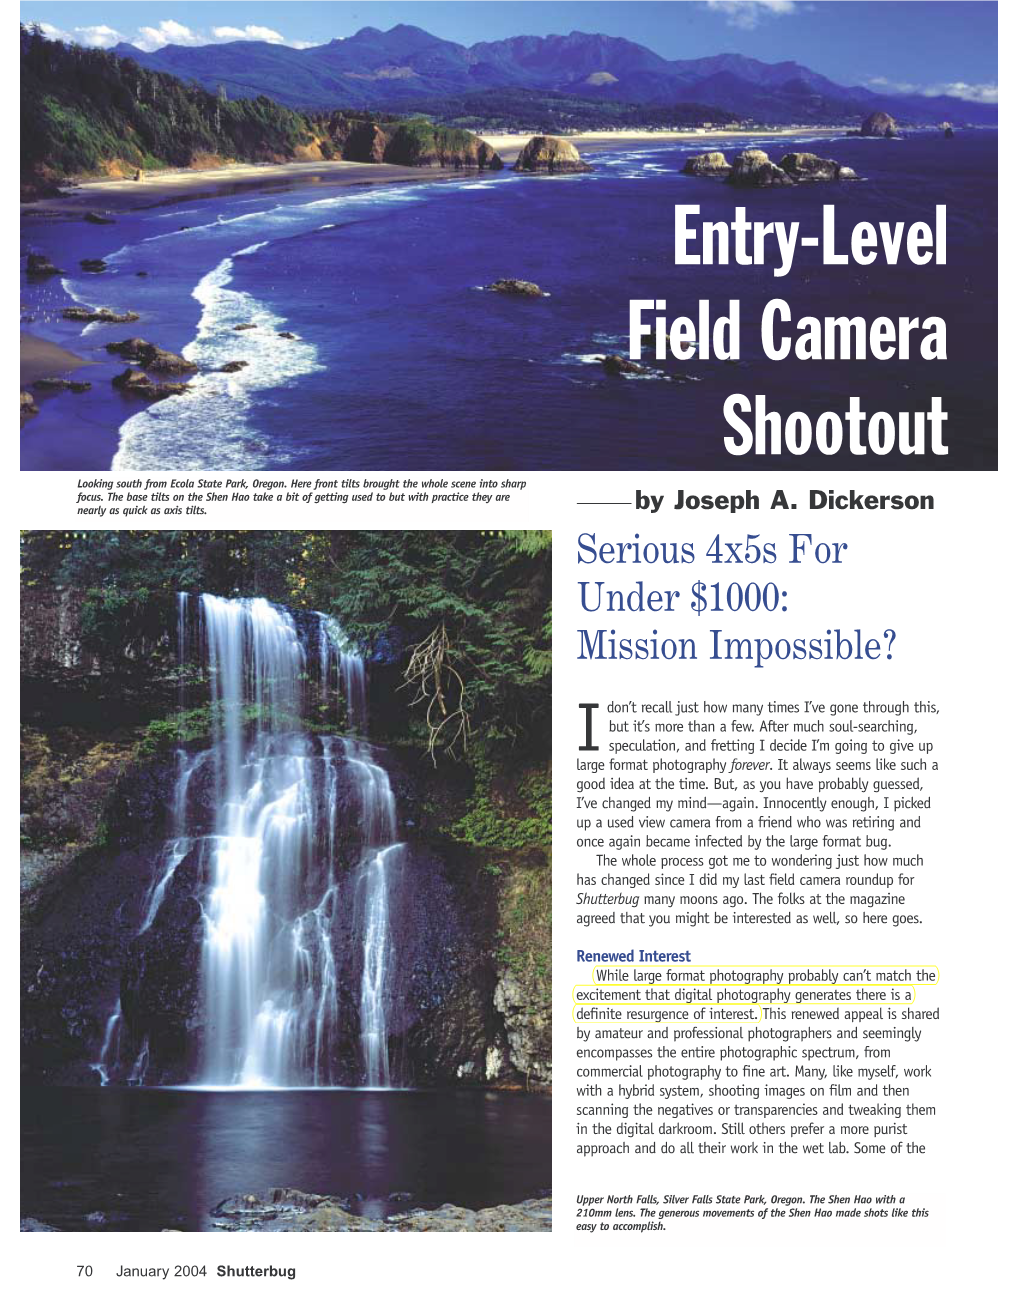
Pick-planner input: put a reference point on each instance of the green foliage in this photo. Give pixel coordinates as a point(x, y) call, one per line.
point(181, 727)
point(87, 111)
point(85, 108)
point(129, 578)
point(387, 589)
point(491, 593)
point(524, 937)
point(524, 109)
point(199, 723)
point(419, 141)
point(517, 821)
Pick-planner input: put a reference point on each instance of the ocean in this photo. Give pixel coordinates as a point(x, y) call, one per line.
point(401, 361)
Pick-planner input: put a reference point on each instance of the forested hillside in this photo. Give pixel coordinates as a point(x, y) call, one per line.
point(90, 113)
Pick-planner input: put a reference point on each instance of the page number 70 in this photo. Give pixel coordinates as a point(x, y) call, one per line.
point(84, 1270)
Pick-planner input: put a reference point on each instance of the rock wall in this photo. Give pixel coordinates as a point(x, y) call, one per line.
point(51, 632)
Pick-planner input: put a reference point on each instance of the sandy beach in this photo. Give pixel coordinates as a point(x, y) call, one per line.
point(187, 184)
point(41, 358)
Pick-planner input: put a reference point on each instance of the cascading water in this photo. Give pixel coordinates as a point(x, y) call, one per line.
point(268, 857)
point(381, 863)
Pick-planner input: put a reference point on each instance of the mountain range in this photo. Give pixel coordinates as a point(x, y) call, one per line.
point(407, 68)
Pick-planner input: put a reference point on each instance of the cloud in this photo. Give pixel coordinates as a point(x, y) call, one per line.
point(747, 14)
point(54, 33)
point(100, 36)
point(249, 33)
point(168, 32)
point(977, 92)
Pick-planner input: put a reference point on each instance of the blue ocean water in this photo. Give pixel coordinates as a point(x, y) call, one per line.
point(401, 361)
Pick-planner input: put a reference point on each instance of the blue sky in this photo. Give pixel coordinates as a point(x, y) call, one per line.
point(915, 45)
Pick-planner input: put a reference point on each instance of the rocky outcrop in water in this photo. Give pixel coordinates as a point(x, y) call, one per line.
point(98, 315)
point(40, 266)
point(57, 383)
point(878, 123)
point(754, 168)
point(151, 356)
point(28, 405)
point(712, 164)
point(289, 1210)
point(99, 219)
point(140, 386)
point(550, 154)
point(511, 286)
point(235, 365)
point(616, 365)
point(810, 167)
point(92, 265)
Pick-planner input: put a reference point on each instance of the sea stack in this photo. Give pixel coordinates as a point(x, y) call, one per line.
point(755, 168)
point(712, 164)
point(550, 154)
point(810, 167)
point(514, 286)
point(878, 124)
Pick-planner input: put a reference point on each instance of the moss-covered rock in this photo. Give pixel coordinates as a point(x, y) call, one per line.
point(422, 144)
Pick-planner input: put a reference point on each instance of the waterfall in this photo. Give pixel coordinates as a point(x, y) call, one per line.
point(381, 863)
point(260, 836)
point(104, 1065)
point(269, 971)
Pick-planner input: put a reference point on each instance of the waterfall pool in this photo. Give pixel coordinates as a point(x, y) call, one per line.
point(127, 1159)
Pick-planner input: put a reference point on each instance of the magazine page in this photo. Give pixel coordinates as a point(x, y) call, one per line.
point(514, 638)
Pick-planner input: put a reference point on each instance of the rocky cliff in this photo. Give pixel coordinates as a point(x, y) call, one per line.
point(412, 143)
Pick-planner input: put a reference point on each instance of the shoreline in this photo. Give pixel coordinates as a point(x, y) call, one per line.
point(182, 185)
point(39, 358)
point(187, 185)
